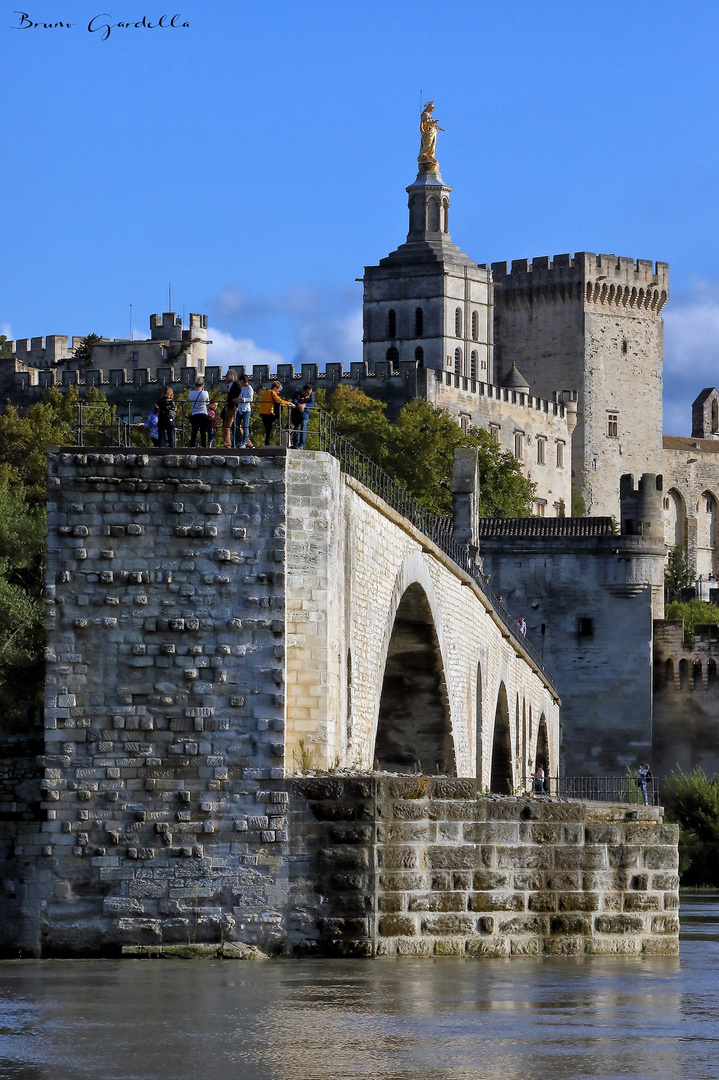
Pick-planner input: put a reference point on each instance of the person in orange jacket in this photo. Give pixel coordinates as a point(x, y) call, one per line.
point(270, 404)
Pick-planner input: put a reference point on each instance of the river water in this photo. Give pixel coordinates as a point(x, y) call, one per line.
point(519, 1019)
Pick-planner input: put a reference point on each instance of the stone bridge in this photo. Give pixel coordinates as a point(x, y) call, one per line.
point(219, 621)
point(395, 656)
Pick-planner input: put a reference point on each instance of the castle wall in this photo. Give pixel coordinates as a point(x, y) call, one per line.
point(686, 699)
point(591, 323)
point(691, 500)
point(593, 596)
point(517, 420)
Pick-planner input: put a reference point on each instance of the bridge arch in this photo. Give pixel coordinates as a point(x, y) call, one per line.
point(414, 729)
point(501, 777)
point(541, 756)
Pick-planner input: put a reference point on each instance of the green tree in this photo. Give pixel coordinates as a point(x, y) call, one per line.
point(692, 801)
point(83, 352)
point(579, 507)
point(5, 350)
point(418, 452)
point(694, 613)
point(677, 575)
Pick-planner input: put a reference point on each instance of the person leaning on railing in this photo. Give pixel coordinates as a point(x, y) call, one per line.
point(270, 404)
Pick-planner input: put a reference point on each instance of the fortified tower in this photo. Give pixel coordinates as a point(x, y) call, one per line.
point(591, 323)
point(427, 301)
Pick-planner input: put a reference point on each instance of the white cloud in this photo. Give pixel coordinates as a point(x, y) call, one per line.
point(691, 353)
point(331, 341)
point(227, 351)
point(691, 333)
point(6, 329)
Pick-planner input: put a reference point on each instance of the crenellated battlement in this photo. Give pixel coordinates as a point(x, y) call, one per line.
point(609, 280)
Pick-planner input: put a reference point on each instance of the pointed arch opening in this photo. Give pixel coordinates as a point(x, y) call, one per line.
point(500, 779)
point(541, 756)
point(414, 730)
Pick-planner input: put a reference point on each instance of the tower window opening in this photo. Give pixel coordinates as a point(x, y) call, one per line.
point(458, 322)
point(560, 455)
point(625, 346)
point(518, 439)
point(540, 451)
point(475, 326)
point(419, 356)
point(473, 365)
point(585, 626)
point(418, 322)
point(458, 367)
point(391, 323)
point(613, 425)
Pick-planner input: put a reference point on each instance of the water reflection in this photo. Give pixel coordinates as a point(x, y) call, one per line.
point(385, 1019)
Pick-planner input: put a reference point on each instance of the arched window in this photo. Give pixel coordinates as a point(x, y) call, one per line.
point(683, 666)
point(419, 356)
point(458, 322)
point(473, 366)
point(475, 326)
point(458, 367)
point(697, 675)
point(391, 323)
point(393, 359)
point(418, 322)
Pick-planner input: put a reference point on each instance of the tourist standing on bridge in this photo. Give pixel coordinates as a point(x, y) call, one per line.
point(244, 407)
point(270, 405)
point(199, 420)
point(166, 421)
point(644, 778)
point(539, 780)
point(302, 402)
point(230, 410)
point(522, 626)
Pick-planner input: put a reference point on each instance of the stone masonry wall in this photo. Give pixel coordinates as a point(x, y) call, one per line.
point(422, 866)
point(164, 746)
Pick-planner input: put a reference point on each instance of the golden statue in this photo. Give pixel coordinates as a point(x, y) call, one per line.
point(428, 128)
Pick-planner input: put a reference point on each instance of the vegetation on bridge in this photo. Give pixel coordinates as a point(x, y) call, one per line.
point(692, 800)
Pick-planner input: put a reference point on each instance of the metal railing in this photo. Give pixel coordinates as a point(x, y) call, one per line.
point(610, 789)
point(113, 430)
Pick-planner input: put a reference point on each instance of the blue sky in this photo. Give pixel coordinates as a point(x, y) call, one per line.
point(257, 159)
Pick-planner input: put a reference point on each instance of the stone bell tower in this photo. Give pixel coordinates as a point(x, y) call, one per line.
point(427, 301)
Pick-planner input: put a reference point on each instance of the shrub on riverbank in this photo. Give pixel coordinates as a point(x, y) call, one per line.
point(692, 800)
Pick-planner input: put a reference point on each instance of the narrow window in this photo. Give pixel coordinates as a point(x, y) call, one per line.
point(393, 358)
point(391, 323)
point(464, 422)
point(613, 425)
point(449, 360)
point(419, 356)
point(163, 353)
point(625, 346)
point(135, 358)
point(458, 361)
point(458, 322)
point(494, 432)
point(473, 366)
point(518, 445)
point(475, 326)
point(560, 455)
point(418, 322)
point(541, 507)
point(585, 626)
point(540, 451)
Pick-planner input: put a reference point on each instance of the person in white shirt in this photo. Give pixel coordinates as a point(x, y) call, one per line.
point(199, 420)
point(244, 407)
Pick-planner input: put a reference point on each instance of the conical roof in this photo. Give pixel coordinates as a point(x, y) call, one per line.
point(515, 380)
